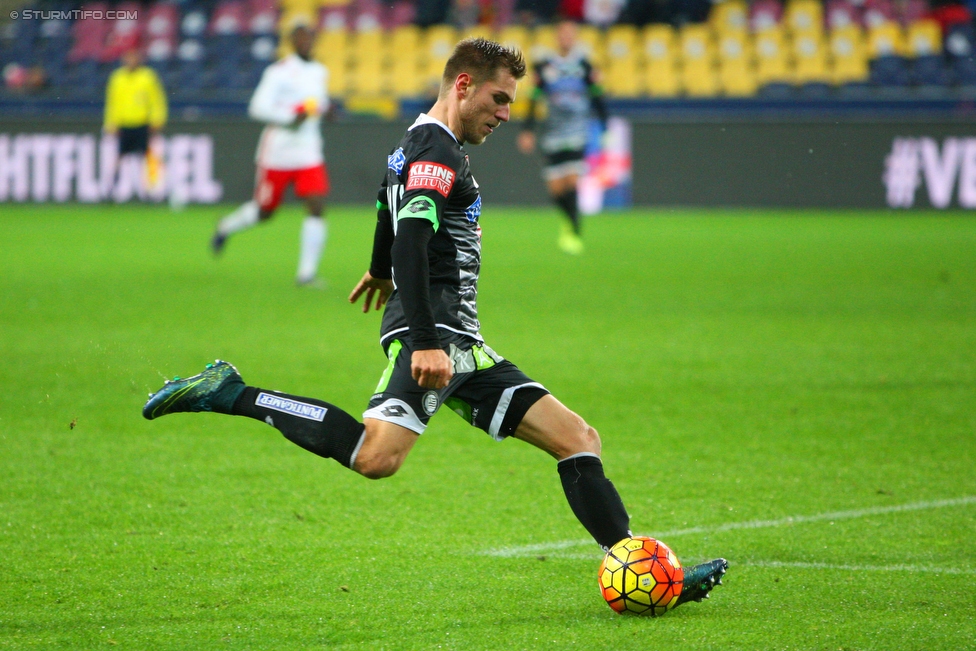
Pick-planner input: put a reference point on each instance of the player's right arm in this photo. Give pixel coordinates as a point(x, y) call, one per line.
point(265, 105)
point(526, 138)
point(111, 123)
point(428, 177)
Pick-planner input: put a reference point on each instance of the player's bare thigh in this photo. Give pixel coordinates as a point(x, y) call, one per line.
point(551, 426)
point(384, 449)
point(562, 184)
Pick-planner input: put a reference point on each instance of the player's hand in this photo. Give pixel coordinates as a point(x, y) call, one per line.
point(432, 369)
point(381, 288)
point(526, 142)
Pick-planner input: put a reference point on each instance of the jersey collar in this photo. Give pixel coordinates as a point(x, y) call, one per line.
point(423, 118)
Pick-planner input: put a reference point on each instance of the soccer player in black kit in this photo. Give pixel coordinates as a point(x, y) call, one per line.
point(425, 265)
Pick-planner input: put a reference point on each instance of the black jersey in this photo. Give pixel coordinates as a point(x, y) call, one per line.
point(568, 84)
point(428, 238)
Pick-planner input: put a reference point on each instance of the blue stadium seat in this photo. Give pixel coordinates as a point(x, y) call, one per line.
point(964, 69)
point(931, 70)
point(890, 70)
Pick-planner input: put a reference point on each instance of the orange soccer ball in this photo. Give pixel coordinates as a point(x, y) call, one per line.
point(641, 575)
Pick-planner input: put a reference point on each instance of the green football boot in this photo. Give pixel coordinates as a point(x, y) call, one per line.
point(700, 579)
point(215, 389)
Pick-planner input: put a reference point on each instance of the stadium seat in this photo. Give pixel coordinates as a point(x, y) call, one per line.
point(878, 12)
point(402, 12)
point(623, 74)
point(661, 78)
point(438, 43)
point(729, 16)
point(366, 15)
point(228, 17)
point(842, 14)
point(736, 64)
point(194, 24)
point(368, 64)
point(804, 17)
point(516, 35)
point(810, 60)
point(850, 61)
point(765, 14)
point(923, 38)
point(698, 74)
point(262, 17)
point(88, 36)
point(772, 60)
point(543, 42)
point(890, 70)
point(911, 11)
point(331, 48)
point(931, 70)
point(477, 31)
point(960, 42)
point(590, 41)
point(885, 39)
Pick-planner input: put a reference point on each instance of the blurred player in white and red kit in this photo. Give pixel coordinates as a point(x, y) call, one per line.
point(290, 99)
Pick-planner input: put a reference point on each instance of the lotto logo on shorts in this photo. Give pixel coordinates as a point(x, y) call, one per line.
point(293, 407)
point(431, 176)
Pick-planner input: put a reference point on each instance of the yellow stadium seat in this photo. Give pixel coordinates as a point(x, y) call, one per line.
point(543, 42)
point(924, 38)
point(331, 47)
point(405, 41)
point(850, 62)
point(516, 35)
point(333, 3)
point(772, 59)
point(368, 77)
point(477, 31)
point(698, 73)
point(370, 44)
point(661, 78)
point(623, 73)
point(886, 39)
point(737, 74)
point(804, 16)
point(810, 56)
point(590, 42)
point(291, 6)
point(439, 42)
point(729, 16)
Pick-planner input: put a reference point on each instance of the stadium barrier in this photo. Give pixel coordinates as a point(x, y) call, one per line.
point(709, 163)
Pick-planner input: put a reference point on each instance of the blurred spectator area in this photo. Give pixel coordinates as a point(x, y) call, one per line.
point(382, 52)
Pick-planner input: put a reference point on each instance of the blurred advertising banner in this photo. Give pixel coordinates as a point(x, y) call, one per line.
point(945, 169)
point(609, 168)
point(61, 167)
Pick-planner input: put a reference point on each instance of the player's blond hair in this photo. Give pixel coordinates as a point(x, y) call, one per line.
point(482, 59)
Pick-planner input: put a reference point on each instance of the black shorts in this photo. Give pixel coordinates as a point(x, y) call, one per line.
point(133, 140)
point(564, 163)
point(487, 390)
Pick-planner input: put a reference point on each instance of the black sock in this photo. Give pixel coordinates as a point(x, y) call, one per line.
point(570, 205)
point(594, 500)
point(317, 426)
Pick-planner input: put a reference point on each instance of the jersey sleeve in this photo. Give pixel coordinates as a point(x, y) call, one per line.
point(427, 174)
point(381, 264)
point(265, 106)
point(428, 178)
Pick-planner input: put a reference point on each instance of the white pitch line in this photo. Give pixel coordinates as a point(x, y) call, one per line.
point(858, 568)
point(531, 550)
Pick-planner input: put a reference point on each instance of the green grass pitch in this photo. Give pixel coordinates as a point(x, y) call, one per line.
point(795, 391)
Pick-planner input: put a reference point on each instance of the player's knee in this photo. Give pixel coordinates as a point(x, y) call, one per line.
point(590, 440)
point(377, 466)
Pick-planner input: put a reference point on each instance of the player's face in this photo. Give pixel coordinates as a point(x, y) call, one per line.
point(302, 39)
point(566, 36)
point(486, 106)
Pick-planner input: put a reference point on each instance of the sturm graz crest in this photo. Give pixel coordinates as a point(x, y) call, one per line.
point(396, 160)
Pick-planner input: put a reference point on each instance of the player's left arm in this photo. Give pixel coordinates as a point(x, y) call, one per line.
point(158, 108)
point(378, 281)
point(595, 90)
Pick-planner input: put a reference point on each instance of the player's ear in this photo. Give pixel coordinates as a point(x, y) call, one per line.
point(462, 84)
